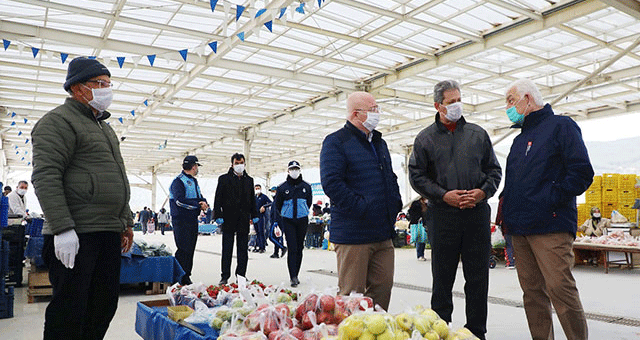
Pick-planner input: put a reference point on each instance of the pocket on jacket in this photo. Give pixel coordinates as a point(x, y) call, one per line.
point(79, 187)
point(95, 186)
point(303, 209)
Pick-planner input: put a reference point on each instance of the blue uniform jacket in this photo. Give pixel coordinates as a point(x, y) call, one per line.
point(358, 178)
point(184, 201)
point(293, 199)
point(547, 167)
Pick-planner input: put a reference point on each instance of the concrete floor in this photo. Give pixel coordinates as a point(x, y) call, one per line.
point(611, 297)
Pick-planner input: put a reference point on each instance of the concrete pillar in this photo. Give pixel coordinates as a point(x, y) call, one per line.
point(407, 189)
point(154, 185)
point(248, 140)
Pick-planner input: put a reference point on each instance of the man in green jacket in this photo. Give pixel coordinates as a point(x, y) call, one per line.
point(81, 184)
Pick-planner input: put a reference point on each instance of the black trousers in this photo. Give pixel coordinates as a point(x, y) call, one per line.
point(461, 234)
point(242, 252)
point(85, 298)
point(185, 233)
point(294, 231)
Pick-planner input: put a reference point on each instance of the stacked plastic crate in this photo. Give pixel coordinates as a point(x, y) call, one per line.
point(627, 196)
point(583, 213)
point(6, 293)
point(609, 194)
point(593, 197)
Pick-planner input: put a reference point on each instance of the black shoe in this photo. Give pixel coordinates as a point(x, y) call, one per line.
point(274, 256)
point(255, 250)
point(295, 282)
point(222, 282)
point(284, 251)
point(261, 251)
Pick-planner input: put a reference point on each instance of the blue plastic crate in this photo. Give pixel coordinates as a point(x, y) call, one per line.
point(6, 303)
point(34, 227)
point(4, 211)
point(33, 250)
point(4, 258)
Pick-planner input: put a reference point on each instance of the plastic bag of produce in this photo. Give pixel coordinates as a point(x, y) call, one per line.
point(368, 325)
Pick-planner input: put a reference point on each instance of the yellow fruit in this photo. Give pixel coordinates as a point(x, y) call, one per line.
point(440, 326)
point(422, 324)
point(366, 335)
point(352, 327)
point(386, 335)
point(375, 323)
point(404, 321)
point(418, 308)
point(431, 335)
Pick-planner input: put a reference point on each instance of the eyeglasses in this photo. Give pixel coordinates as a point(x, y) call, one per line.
point(101, 83)
point(375, 109)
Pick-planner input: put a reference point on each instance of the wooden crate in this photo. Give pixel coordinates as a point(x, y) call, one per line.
point(39, 284)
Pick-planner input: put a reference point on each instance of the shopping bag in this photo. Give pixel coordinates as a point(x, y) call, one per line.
point(497, 240)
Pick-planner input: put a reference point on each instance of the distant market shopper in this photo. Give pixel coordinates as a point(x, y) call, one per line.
point(18, 201)
point(262, 203)
point(275, 231)
point(293, 199)
point(186, 202)
point(356, 174)
point(81, 183)
point(233, 208)
point(453, 165)
point(547, 167)
point(163, 220)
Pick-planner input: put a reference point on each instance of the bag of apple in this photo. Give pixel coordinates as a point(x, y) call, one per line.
point(329, 308)
point(424, 323)
point(369, 325)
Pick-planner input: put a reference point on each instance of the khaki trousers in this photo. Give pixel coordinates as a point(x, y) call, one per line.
point(544, 265)
point(368, 269)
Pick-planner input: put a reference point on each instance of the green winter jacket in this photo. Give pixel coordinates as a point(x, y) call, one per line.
point(78, 171)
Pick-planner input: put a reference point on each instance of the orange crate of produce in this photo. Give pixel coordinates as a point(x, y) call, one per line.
point(610, 181)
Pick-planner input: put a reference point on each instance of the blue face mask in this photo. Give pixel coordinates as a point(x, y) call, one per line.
point(513, 114)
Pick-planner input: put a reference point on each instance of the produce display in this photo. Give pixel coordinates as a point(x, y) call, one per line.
point(616, 238)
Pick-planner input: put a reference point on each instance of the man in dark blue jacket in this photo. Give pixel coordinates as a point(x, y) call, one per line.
point(262, 203)
point(292, 201)
point(356, 174)
point(453, 165)
point(186, 201)
point(547, 167)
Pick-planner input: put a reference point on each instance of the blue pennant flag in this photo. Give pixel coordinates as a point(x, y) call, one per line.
point(6, 43)
point(13, 114)
point(22, 159)
point(213, 4)
point(17, 152)
point(120, 119)
point(146, 102)
point(300, 9)
point(260, 12)
point(319, 3)
point(92, 57)
point(214, 46)
point(282, 10)
point(133, 113)
point(241, 36)
point(63, 56)
point(152, 58)
point(28, 163)
point(26, 152)
point(25, 120)
point(269, 25)
point(27, 141)
point(35, 51)
point(19, 133)
point(13, 123)
point(120, 61)
point(16, 146)
point(183, 53)
point(239, 10)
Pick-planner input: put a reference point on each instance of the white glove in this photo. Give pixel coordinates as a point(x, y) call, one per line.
point(66, 246)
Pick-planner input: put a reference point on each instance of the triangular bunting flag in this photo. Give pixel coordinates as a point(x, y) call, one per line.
point(241, 36)
point(13, 114)
point(22, 159)
point(28, 163)
point(35, 51)
point(282, 10)
point(92, 57)
point(146, 102)
point(120, 61)
point(6, 43)
point(183, 53)
point(239, 10)
point(319, 3)
point(63, 57)
point(25, 120)
point(17, 152)
point(269, 25)
point(19, 133)
point(13, 123)
point(152, 58)
point(260, 12)
point(133, 113)
point(214, 46)
point(121, 120)
point(300, 9)
point(213, 4)
point(27, 141)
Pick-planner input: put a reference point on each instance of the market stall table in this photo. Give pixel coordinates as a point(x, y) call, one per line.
point(158, 269)
point(152, 322)
point(607, 249)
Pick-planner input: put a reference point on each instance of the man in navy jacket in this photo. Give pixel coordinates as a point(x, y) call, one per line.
point(356, 174)
point(186, 202)
point(547, 167)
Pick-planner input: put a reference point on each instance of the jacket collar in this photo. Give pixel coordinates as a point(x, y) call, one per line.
point(294, 181)
point(534, 118)
point(376, 135)
point(186, 174)
point(233, 173)
point(459, 124)
point(86, 110)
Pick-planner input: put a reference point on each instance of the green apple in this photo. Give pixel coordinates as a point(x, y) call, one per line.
point(352, 327)
point(386, 335)
point(375, 323)
point(366, 335)
point(422, 324)
point(405, 321)
point(216, 323)
point(440, 326)
point(431, 335)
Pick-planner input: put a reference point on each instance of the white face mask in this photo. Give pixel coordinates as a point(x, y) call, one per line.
point(21, 192)
point(102, 98)
point(258, 192)
point(596, 215)
point(238, 168)
point(454, 112)
point(373, 118)
point(294, 173)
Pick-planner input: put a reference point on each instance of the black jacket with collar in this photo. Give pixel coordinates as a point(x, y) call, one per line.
point(235, 201)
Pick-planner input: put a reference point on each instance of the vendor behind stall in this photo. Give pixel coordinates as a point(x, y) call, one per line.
point(596, 225)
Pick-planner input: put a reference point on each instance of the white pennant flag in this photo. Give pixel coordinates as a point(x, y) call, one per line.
point(136, 60)
point(49, 55)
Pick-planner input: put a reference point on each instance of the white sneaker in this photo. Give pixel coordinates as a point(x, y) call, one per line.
point(511, 267)
point(421, 258)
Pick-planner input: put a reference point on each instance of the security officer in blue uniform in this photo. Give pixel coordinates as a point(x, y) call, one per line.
point(262, 203)
point(293, 199)
point(186, 202)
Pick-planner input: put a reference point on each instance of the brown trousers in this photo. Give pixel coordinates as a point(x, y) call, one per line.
point(368, 269)
point(544, 265)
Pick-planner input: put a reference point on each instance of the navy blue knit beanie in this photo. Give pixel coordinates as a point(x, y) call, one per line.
point(82, 69)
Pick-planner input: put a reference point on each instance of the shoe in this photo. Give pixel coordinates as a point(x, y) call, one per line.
point(421, 258)
point(222, 282)
point(295, 282)
point(274, 256)
point(255, 250)
point(284, 251)
point(511, 267)
point(261, 251)
point(185, 281)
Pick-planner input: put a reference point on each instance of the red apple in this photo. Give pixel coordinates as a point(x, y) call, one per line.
point(327, 303)
point(325, 317)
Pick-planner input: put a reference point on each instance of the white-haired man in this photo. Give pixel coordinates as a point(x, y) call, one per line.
point(547, 167)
